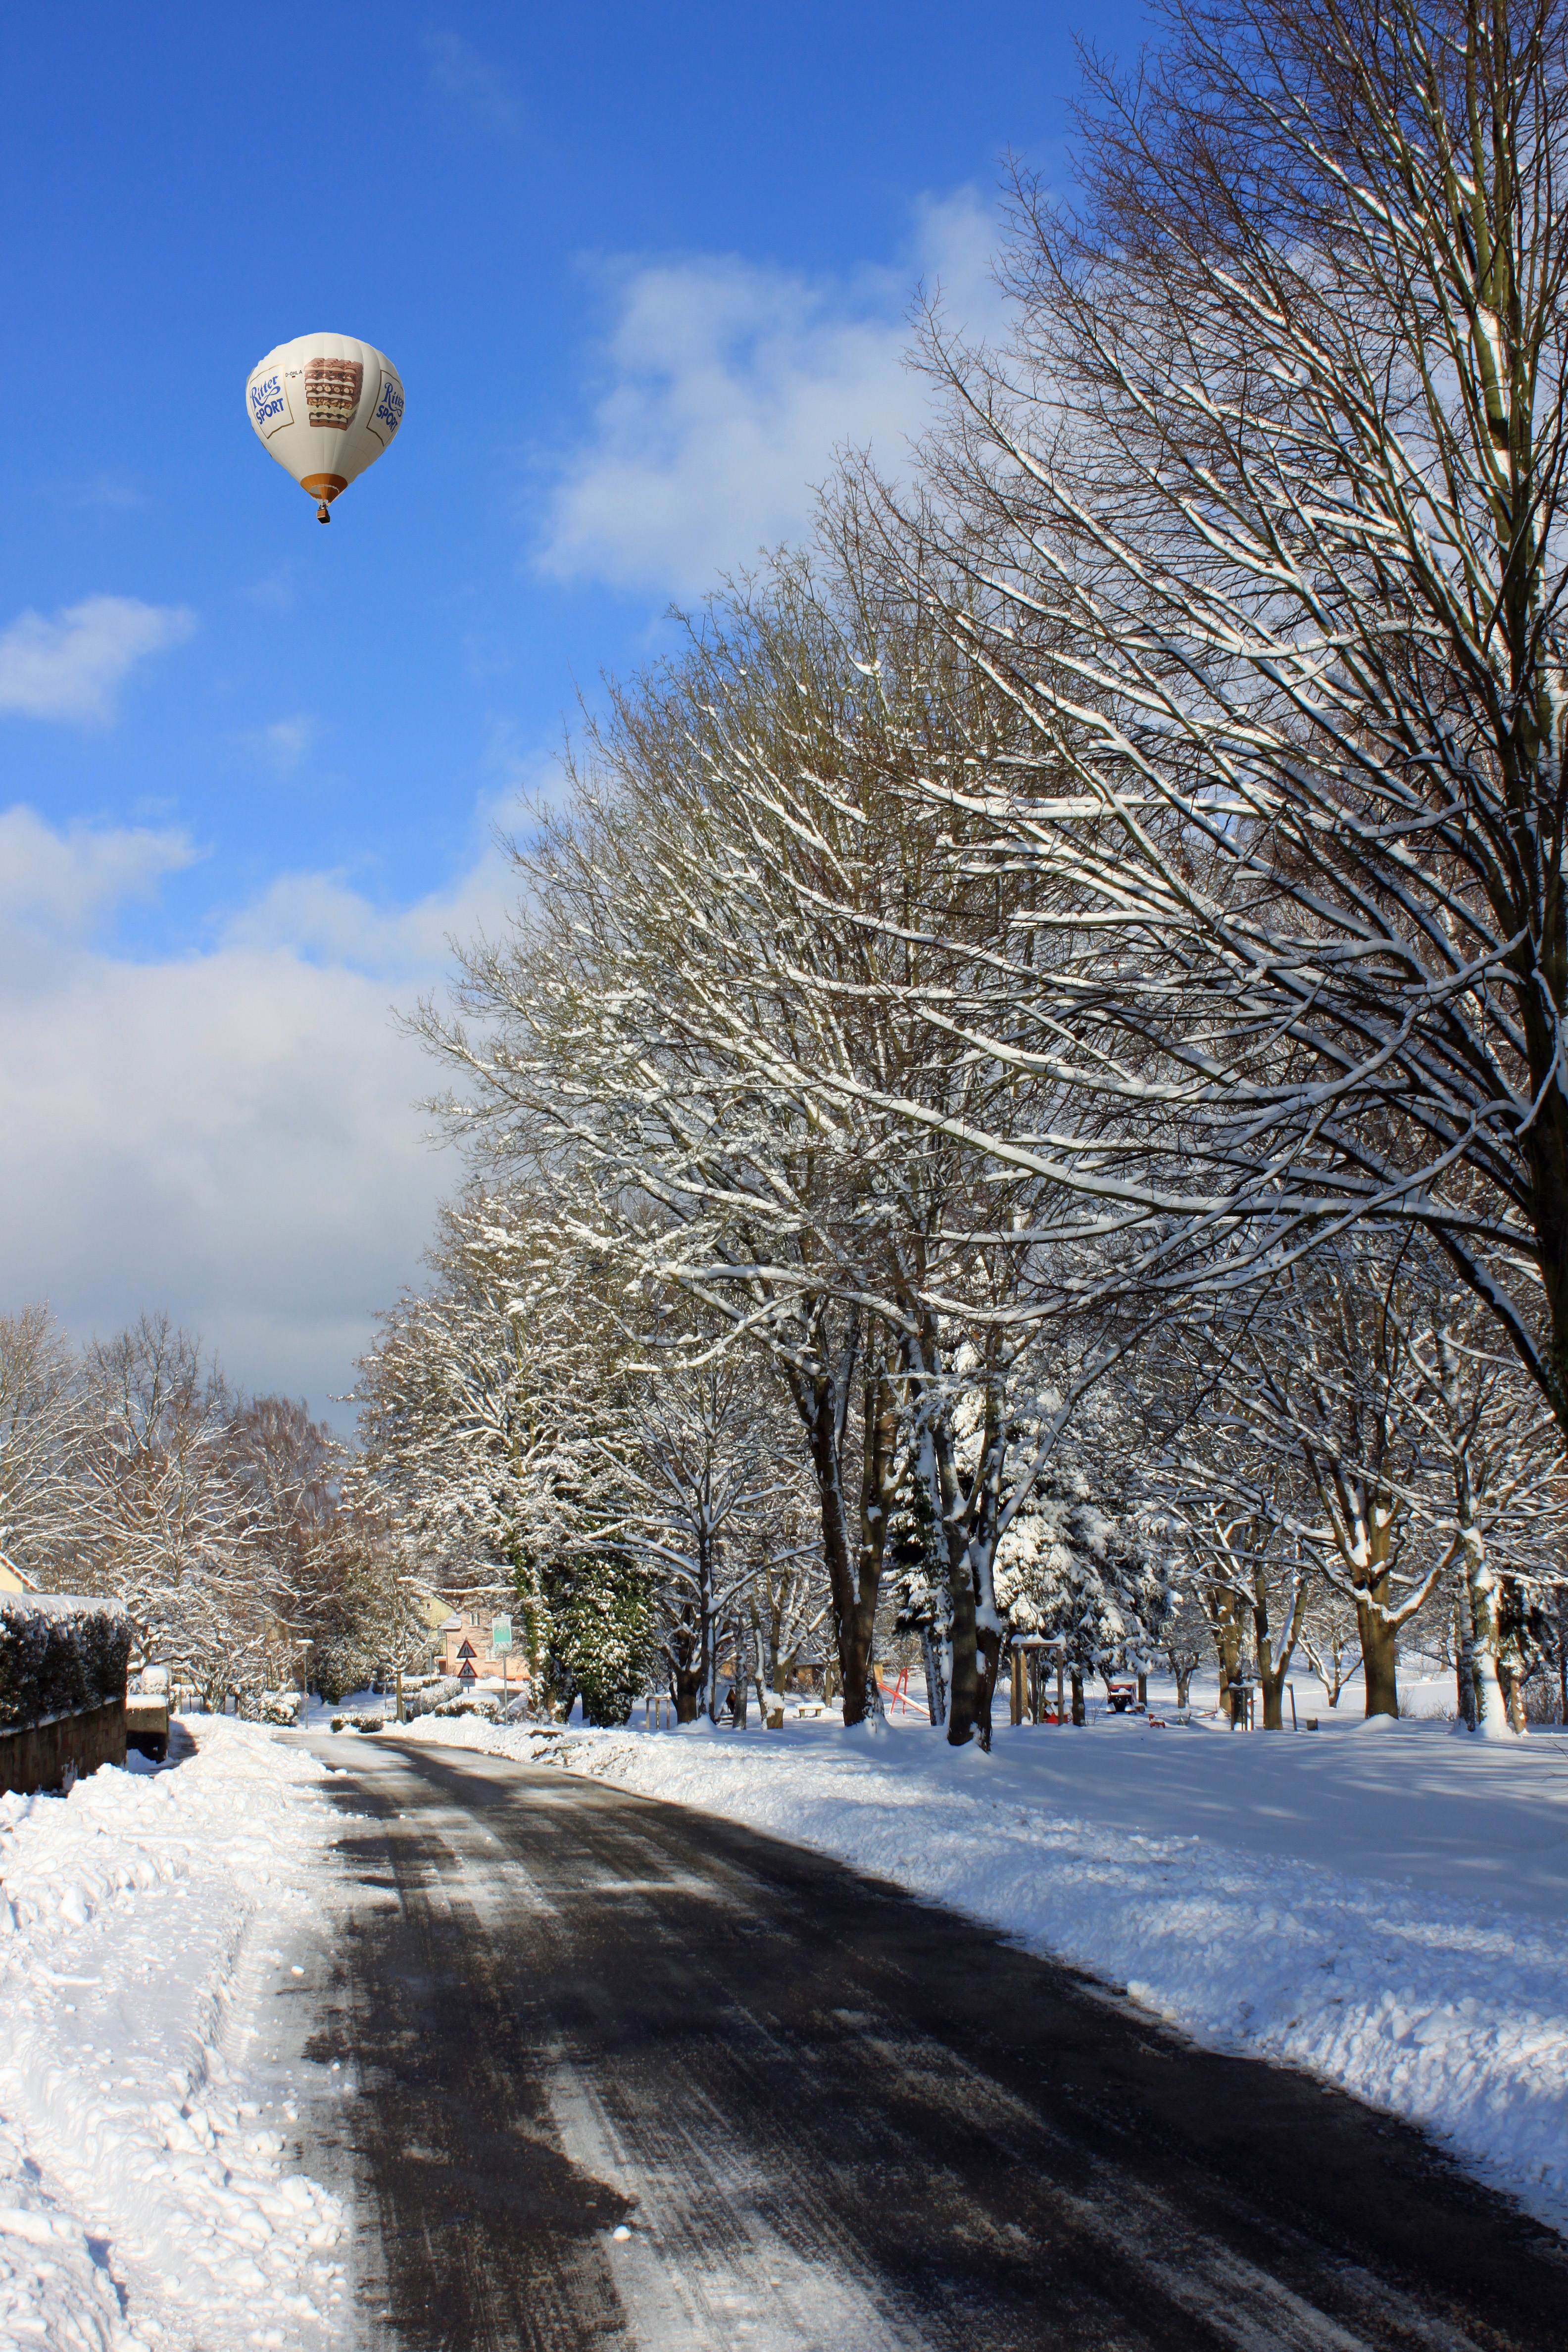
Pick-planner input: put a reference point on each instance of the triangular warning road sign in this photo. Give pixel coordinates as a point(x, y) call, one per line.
point(468, 1651)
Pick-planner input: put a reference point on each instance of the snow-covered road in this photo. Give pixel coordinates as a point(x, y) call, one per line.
point(156, 1932)
point(1384, 1904)
point(635, 2075)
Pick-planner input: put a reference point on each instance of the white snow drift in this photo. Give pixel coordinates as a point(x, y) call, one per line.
point(147, 2200)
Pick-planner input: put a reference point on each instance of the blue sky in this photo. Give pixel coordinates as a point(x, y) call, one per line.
point(641, 270)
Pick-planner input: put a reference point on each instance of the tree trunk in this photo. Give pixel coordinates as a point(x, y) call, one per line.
point(878, 1491)
point(1227, 1635)
point(936, 1465)
point(1480, 1597)
point(1079, 1714)
point(936, 1681)
point(1378, 1649)
point(989, 1645)
point(1464, 1658)
point(742, 1674)
point(1490, 1714)
point(1184, 1683)
point(1272, 1670)
point(817, 1408)
point(964, 1696)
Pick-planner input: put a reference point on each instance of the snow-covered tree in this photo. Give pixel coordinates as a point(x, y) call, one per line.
point(1258, 526)
point(39, 1501)
point(164, 1521)
point(1350, 1418)
point(1494, 1497)
point(713, 1015)
point(701, 1464)
point(487, 1411)
point(1329, 1640)
point(1082, 1565)
point(785, 1605)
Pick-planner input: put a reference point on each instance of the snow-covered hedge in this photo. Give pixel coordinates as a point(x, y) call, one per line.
point(429, 1692)
point(280, 1707)
point(485, 1702)
point(60, 1654)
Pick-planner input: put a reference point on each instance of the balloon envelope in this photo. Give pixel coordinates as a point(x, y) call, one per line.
point(325, 406)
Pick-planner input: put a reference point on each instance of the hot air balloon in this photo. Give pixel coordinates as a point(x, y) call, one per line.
point(326, 406)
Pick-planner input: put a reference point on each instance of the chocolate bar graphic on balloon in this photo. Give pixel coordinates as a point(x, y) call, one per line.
point(333, 388)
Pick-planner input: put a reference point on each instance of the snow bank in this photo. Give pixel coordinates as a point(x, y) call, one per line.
point(146, 2197)
point(1280, 1897)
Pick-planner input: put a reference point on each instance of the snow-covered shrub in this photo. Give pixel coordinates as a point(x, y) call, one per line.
point(430, 1692)
point(485, 1702)
point(280, 1707)
point(60, 1654)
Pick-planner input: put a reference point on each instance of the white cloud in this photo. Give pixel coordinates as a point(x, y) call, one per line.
point(282, 745)
point(116, 491)
point(232, 1134)
point(65, 883)
point(321, 919)
point(730, 387)
point(275, 593)
point(472, 83)
point(69, 667)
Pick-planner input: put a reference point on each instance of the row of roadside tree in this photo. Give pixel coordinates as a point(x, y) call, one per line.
point(1025, 1097)
point(1027, 1081)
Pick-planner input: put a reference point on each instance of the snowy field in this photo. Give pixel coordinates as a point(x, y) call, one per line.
point(148, 1924)
point(1383, 1903)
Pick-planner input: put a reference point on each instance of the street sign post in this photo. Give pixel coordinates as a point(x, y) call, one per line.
point(500, 1643)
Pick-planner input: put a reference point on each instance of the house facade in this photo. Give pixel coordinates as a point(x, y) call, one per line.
point(467, 1646)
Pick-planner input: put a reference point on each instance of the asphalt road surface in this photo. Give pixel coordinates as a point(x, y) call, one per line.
point(629, 2075)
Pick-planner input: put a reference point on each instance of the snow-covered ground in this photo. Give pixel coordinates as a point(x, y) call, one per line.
point(1383, 1903)
point(153, 1926)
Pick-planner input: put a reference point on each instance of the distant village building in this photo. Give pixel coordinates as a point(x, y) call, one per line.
point(467, 1646)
